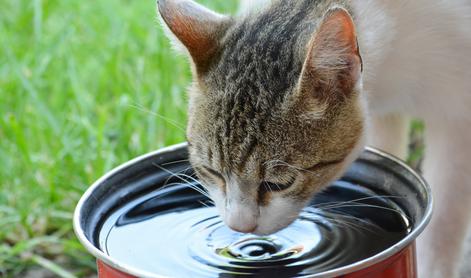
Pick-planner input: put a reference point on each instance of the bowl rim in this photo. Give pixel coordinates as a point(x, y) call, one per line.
point(351, 268)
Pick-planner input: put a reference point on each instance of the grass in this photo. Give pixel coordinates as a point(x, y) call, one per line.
point(84, 86)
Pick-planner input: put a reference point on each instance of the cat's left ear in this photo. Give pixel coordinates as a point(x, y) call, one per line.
point(197, 28)
point(333, 64)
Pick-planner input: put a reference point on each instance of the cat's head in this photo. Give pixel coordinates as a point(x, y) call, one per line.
point(276, 110)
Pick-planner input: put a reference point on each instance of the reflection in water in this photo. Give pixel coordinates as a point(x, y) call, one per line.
point(172, 232)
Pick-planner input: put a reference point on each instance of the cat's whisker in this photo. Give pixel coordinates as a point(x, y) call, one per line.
point(265, 185)
point(192, 186)
point(335, 205)
point(346, 215)
point(195, 187)
point(342, 220)
point(349, 224)
point(165, 186)
point(172, 174)
point(187, 183)
point(176, 162)
point(328, 204)
point(205, 204)
point(190, 178)
point(341, 204)
point(168, 120)
point(371, 206)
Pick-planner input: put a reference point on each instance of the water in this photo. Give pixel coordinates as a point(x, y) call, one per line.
point(173, 233)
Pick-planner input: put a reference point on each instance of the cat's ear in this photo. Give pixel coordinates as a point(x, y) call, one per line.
point(197, 28)
point(333, 64)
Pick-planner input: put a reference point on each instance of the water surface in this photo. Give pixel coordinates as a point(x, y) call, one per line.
point(175, 232)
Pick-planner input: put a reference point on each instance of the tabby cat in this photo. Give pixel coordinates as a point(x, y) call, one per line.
point(286, 95)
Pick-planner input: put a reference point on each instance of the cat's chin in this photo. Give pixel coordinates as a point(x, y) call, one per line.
point(265, 228)
point(265, 231)
point(279, 214)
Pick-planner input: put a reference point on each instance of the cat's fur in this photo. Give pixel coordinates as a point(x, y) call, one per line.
point(282, 94)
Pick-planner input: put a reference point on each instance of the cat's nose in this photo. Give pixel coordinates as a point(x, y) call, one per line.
point(243, 228)
point(241, 218)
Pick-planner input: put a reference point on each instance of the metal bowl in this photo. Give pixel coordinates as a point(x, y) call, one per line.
point(375, 169)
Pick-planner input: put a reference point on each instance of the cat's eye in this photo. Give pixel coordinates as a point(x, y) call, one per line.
point(267, 186)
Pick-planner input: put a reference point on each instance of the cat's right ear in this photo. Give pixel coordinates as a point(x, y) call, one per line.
point(195, 27)
point(333, 64)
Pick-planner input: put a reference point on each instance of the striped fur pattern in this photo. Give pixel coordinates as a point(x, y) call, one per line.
point(268, 124)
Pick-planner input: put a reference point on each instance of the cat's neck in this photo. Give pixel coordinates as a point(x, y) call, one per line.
point(411, 51)
point(375, 31)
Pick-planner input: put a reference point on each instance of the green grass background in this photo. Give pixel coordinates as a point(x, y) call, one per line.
point(84, 87)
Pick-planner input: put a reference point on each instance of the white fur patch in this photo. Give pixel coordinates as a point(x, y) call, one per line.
point(277, 215)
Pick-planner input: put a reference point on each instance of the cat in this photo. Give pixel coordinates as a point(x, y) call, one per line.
point(286, 95)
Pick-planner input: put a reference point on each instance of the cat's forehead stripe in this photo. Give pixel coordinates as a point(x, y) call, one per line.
point(260, 56)
point(246, 151)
